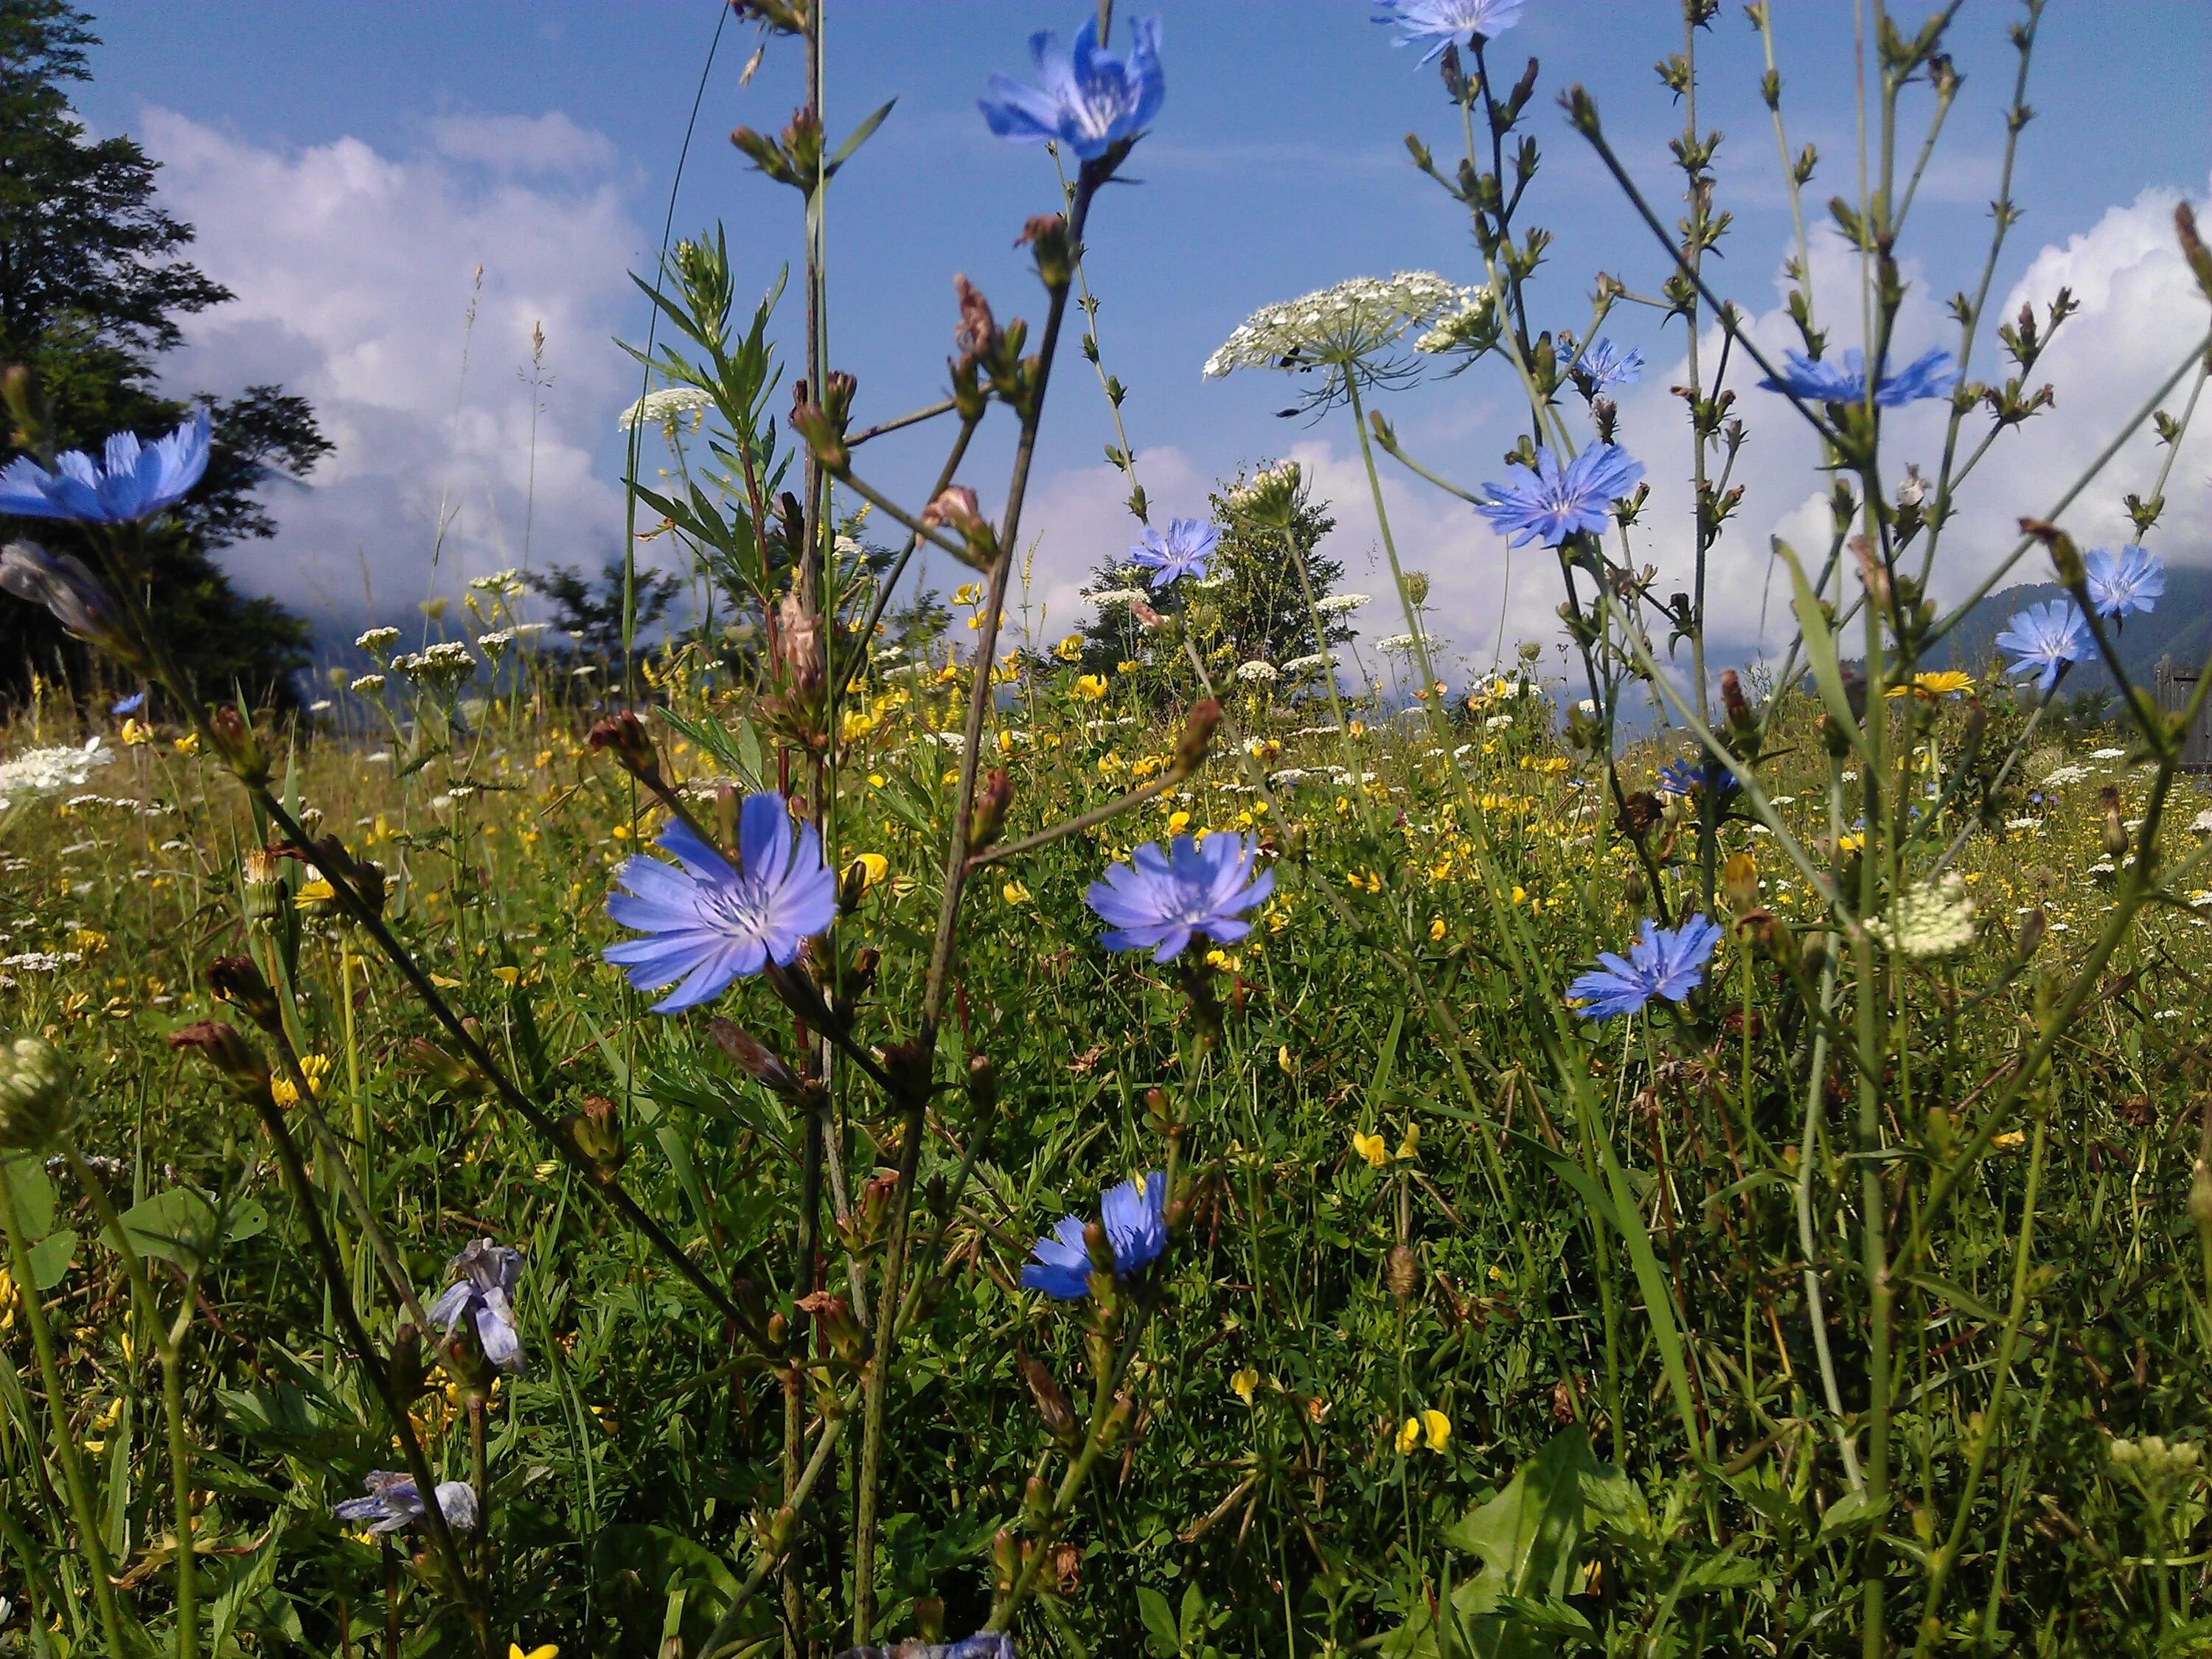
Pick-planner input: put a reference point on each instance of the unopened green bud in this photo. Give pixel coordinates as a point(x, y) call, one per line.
point(239, 747)
point(37, 1098)
point(219, 1043)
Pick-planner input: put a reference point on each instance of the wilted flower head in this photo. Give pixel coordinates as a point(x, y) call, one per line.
point(1090, 100)
point(485, 1275)
point(1184, 550)
point(1341, 326)
point(394, 1502)
point(1934, 919)
point(1665, 962)
point(708, 921)
point(70, 592)
point(1158, 899)
point(1133, 1218)
point(1442, 23)
point(132, 480)
point(664, 408)
point(2133, 578)
point(1931, 374)
point(1558, 501)
point(2043, 640)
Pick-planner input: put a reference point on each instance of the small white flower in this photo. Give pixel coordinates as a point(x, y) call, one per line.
point(1498, 722)
point(1932, 920)
point(378, 640)
point(1335, 604)
point(39, 772)
point(2108, 754)
point(1339, 325)
point(1301, 664)
point(2064, 776)
point(1256, 672)
point(1107, 598)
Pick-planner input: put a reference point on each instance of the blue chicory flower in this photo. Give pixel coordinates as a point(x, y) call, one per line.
point(486, 1275)
point(1690, 778)
point(709, 921)
point(1184, 550)
point(1091, 101)
point(1562, 501)
point(1605, 364)
point(1447, 22)
point(394, 1501)
point(129, 705)
point(2133, 578)
point(1931, 374)
point(2043, 639)
point(1158, 900)
point(1135, 1216)
point(132, 480)
point(1666, 962)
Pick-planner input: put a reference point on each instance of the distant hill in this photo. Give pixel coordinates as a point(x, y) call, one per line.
point(2181, 627)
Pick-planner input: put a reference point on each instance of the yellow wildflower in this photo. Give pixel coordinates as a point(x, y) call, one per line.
point(1069, 648)
point(133, 734)
point(547, 1650)
point(1091, 687)
point(1436, 1428)
point(1410, 1145)
point(1373, 1148)
point(316, 1068)
point(872, 866)
point(1243, 1383)
point(1410, 1436)
point(1014, 893)
point(1178, 822)
point(189, 744)
point(1436, 929)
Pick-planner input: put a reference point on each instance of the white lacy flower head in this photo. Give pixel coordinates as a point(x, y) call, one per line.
point(495, 641)
point(664, 408)
point(39, 772)
point(1400, 642)
point(378, 640)
point(1472, 324)
point(2108, 754)
point(2060, 777)
point(1353, 320)
point(1337, 604)
point(1255, 670)
point(501, 582)
point(368, 685)
point(1302, 665)
point(1107, 598)
point(446, 663)
point(1934, 919)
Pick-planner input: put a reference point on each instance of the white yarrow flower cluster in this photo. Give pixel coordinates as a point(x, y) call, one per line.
point(1337, 604)
point(39, 772)
point(2062, 776)
point(500, 583)
point(379, 640)
point(1107, 598)
point(1934, 919)
point(1343, 323)
point(1398, 642)
point(664, 408)
point(1256, 671)
point(448, 663)
point(1302, 665)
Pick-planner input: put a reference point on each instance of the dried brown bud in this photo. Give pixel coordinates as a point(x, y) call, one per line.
point(1402, 1271)
point(218, 1042)
point(749, 1056)
point(990, 816)
point(978, 336)
point(623, 736)
point(1047, 234)
point(798, 643)
point(1197, 734)
point(240, 982)
point(1051, 1403)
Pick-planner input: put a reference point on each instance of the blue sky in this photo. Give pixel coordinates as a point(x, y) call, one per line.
point(348, 165)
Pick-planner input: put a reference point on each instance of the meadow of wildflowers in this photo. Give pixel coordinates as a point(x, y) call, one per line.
point(783, 1145)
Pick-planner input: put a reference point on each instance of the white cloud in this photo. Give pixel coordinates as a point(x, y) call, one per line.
point(353, 271)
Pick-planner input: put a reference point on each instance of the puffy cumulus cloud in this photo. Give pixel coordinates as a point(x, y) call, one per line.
point(356, 273)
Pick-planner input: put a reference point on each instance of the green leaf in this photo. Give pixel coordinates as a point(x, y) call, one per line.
point(50, 1259)
point(1528, 1535)
point(1159, 1622)
point(179, 1225)
point(1819, 644)
point(857, 136)
point(1848, 1513)
point(34, 1193)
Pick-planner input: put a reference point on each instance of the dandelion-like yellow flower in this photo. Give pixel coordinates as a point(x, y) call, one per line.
point(1941, 682)
point(316, 1068)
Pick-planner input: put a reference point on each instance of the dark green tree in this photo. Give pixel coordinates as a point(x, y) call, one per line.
point(591, 614)
point(91, 288)
point(1260, 604)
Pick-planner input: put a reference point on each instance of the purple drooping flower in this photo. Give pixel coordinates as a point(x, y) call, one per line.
point(1184, 550)
point(1561, 501)
point(394, 1501)
point(1090, 100)
point(1931, 374)
point(1665, 962)
point(2133, 578)
point(2043, 639)
point(1135, 1216)
point(485, 1275)
point(1158, 899)
point(1443, 23)
point(132, 480)
point(708, 921)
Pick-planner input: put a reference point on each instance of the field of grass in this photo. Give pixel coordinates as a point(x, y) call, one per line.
point(1400, 1365)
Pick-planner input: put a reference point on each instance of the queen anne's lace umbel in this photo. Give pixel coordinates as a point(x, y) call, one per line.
point(1343, 323)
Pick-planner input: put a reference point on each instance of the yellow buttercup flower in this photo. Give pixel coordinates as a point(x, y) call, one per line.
point(1091, 687)
point(1373, 1148)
